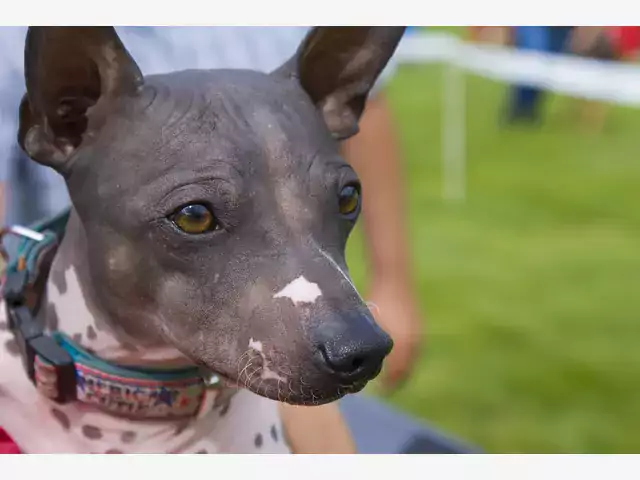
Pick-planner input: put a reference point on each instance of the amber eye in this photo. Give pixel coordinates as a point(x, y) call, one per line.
point(195, 219)
point(349, 200)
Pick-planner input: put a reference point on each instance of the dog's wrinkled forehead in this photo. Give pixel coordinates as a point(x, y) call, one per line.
point(229, 134)
point(246, 123)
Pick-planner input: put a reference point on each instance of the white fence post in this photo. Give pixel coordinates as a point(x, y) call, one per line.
point(453, 129)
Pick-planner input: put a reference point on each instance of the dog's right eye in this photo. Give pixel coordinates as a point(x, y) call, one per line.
point(349, 200)
point(195, 219)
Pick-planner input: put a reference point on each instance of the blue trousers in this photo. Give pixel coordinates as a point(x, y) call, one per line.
point(525, 99)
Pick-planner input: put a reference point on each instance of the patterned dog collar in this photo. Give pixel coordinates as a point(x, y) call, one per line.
point(129, 392)
point(64, 372)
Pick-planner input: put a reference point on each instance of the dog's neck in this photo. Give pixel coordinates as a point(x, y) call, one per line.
point(68, 308)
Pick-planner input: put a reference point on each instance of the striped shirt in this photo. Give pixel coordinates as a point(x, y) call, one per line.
point(36, 191)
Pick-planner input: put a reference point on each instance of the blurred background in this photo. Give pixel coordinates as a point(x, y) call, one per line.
point(519, 150)
point(529, 283)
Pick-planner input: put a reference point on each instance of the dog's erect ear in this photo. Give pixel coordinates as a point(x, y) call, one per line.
point(338, 66)
point(70, 73)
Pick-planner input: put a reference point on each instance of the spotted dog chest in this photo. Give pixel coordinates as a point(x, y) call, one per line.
point(239, 423)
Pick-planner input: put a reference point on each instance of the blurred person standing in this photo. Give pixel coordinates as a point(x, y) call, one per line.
point(627, 41)
point(560, 37)
point(31, 192)
point(524, 102)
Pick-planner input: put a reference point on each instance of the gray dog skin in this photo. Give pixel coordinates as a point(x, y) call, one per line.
point(261, 153)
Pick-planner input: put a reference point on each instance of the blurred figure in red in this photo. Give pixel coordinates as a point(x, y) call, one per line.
point(626, 41)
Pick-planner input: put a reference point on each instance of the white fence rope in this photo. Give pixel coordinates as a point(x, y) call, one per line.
point(612, 82)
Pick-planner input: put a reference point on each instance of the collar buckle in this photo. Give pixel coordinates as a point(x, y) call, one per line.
point(35, 344)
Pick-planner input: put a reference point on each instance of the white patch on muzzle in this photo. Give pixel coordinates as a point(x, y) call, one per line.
point(300, 291)
point(266, 373)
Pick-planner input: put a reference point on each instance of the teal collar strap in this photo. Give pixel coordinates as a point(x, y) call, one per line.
point(64, 371)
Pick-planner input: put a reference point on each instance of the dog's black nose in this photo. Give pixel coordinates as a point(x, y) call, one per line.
point(352, 346)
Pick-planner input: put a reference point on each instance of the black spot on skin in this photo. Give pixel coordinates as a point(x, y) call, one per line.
point(77, 337)
point(4, 325)
point(91, 333)
point(128, 437)
point(11, 346)
point(59, 280)
point(91, 432)
point(61, 417)
point(114, 451)
point(202, 451)
point(274, 433)
point(258, 440)
point(52, 317)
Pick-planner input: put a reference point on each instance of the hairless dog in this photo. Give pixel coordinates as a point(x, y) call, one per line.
point(210, 215)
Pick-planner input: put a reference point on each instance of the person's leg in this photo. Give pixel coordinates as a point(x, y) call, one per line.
point(519, 94)
point(526, 99)
point(559, 39)
point(537, 39)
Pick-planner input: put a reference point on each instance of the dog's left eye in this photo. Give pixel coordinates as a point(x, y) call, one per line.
point(349, 200)
point(195, 219)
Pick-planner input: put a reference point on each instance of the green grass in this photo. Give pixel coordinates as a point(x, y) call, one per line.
point(531, 287)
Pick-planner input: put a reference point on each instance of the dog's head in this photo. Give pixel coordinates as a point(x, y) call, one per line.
point(215, 204)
